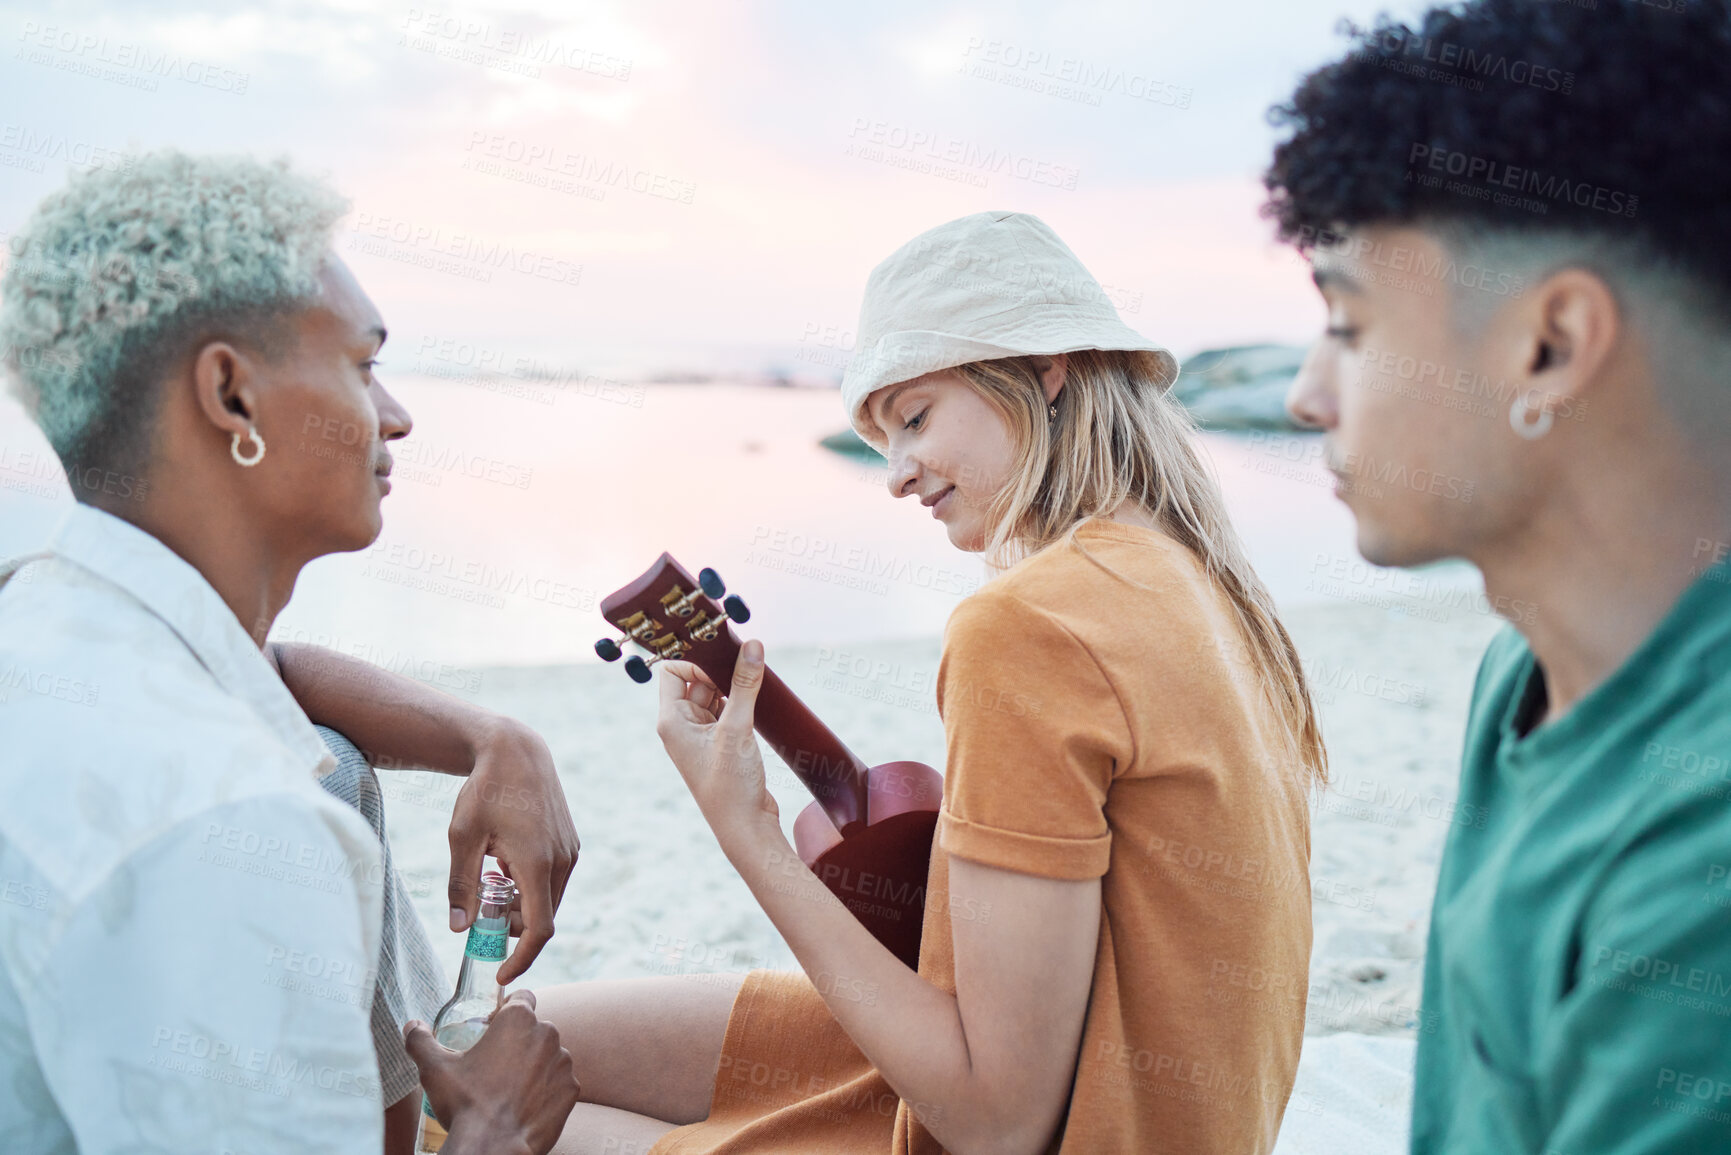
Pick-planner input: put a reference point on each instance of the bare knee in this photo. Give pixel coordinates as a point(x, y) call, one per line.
point(650, 1046)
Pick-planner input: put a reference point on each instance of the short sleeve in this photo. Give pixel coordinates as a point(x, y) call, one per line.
point(1034, 735)
point(212, 993)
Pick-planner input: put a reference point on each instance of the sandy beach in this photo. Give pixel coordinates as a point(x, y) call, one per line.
point(653, 895)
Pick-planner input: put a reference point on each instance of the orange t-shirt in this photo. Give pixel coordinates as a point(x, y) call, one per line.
point(1096, 729)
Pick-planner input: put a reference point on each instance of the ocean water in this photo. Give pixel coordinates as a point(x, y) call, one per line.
point(518, 505)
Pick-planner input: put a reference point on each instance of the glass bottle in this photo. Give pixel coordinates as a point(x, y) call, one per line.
point(463, 1019)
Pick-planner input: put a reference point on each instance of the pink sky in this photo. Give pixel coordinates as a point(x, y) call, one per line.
point(775, 148)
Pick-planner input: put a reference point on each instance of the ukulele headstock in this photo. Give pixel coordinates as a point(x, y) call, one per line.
point(672, 615)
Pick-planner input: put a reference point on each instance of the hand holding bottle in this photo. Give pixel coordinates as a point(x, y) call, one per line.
point(479, 1024)
point(513, 808)
point(509, 1092)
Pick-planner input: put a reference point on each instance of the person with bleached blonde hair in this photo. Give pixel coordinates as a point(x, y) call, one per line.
point(1136, 828)
point(183, 333)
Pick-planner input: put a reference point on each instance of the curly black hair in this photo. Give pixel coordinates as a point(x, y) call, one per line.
point(1609, 118)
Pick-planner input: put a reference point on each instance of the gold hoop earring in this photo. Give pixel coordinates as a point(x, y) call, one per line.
point(256, 457)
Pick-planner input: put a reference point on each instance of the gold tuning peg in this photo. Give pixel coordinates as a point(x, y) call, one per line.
point(638, 628)
point(705, 628)
point(666, 649)
point(681, 604)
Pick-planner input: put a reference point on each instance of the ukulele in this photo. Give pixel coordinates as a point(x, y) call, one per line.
point(868, 832)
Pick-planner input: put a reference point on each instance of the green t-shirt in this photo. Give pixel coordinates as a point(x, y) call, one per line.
point(1577, 989)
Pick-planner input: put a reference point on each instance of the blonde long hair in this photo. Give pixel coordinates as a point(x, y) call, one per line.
point(1119, 436)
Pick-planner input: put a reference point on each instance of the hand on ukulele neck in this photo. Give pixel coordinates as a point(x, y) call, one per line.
point(711, 740)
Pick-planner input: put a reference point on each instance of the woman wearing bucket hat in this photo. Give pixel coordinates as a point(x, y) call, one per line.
point(1117, 928)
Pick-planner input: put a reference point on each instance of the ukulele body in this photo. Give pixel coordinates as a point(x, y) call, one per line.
point(879, 869)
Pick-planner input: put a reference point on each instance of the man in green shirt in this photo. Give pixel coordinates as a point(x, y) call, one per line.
point(1515, 214)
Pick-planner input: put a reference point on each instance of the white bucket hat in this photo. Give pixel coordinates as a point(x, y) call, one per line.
point(979, 288)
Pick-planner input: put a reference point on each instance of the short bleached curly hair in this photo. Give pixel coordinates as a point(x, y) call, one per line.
point(114, 274)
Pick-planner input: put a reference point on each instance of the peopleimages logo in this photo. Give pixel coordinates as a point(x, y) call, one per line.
point(1367, 256)
point(581, 167)
point(1066, 77)
point(38, 146)
point(1531, 181)
point(413, 242)
point(1398, 49)
point(882, 141)
point(128, 63)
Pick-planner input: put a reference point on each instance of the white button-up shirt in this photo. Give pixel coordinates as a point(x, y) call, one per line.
point(188, 923)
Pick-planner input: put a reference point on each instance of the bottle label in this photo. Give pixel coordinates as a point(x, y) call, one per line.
point(486, 945)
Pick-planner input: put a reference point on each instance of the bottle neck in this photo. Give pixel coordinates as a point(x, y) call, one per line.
point(483, 952)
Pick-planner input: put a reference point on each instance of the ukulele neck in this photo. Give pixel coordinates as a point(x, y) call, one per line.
point(834, 774)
